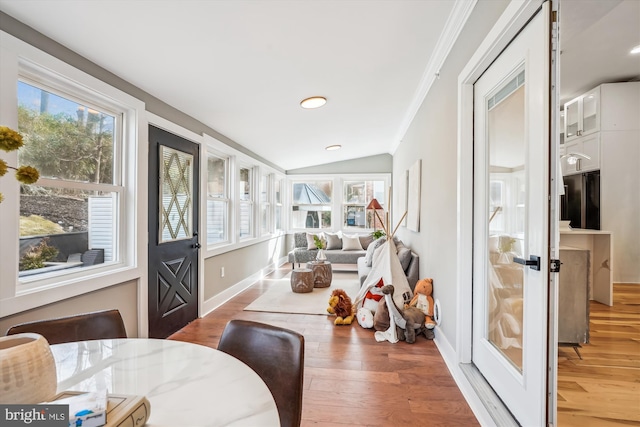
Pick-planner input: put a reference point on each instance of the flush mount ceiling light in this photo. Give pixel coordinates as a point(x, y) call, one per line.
point(313, 102)
point(635, 50)
point(333, 147)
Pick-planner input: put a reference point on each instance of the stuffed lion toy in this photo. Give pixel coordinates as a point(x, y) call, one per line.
point(340, 305)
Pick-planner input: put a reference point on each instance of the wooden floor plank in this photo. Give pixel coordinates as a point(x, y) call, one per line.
point(603, 388)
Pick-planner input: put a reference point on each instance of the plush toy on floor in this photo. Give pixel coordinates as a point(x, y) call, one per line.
point(423, 300)
point(340, 305)
point(409, 322)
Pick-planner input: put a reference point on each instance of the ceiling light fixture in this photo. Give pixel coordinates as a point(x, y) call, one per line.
point(313, 102)
point(333, 147)
point(635, 50)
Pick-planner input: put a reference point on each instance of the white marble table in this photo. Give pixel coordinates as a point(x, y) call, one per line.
point(186, 384)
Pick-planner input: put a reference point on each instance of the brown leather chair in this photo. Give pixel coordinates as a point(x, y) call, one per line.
point(80, 327)
point(277, 356)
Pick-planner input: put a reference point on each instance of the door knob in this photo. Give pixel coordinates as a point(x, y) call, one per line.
point(196, 245)
point(533, 262)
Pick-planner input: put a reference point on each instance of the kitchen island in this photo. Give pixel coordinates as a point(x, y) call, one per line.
point(599, 244)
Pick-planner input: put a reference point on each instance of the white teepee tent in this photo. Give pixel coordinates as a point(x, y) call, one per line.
point(386, 266)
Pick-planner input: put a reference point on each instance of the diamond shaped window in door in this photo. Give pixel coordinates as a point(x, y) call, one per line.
point(176, 192)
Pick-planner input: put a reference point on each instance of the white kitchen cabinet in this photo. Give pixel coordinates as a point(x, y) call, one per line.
point(582, 115)
point(589, 145)
point(610, 107)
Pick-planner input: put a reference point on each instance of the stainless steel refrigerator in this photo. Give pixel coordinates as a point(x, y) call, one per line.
point(580, 203)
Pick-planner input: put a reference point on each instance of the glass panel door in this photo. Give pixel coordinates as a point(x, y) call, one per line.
point(506, 157)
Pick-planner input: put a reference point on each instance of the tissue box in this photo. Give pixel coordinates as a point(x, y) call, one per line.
point(86, 409)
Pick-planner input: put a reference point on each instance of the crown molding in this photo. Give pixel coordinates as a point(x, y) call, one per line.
point(452, 28)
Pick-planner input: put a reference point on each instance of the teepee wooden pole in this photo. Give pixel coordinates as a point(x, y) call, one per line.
point(381, 223)
point(399, 222)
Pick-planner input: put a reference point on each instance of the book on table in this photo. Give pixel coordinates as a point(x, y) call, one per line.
point(95, 409)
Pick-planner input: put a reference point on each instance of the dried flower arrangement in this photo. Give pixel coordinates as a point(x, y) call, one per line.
point(11, 140)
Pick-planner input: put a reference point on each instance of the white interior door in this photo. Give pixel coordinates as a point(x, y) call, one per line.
point(511, 222)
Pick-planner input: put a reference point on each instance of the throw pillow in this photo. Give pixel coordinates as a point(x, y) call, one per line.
point(368, 258)
point(351, 243)
point(300, 240)
point(404, 255)
point(365, 240)
point(311, 243)
point(333, 241)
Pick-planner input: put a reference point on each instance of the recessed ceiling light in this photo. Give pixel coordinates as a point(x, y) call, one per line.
point(635, 50)
point(313, 102)
point(333, 147)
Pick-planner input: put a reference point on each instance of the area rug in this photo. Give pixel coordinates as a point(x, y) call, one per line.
point(280, 299)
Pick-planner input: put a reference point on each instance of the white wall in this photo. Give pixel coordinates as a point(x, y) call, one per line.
point(432, 137)
point(620, 176)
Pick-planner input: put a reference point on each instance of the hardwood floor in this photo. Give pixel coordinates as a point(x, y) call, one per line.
point(350, 379)
point(603, 388)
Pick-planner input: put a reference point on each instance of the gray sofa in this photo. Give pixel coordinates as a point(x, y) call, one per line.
point(301, 253)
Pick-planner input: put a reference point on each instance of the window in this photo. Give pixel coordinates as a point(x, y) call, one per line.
point(76, 230)
point(311, 204)
point(245, 204)
point(69, 219)
point(217, 199)
point(357, 195)
point(277, 190)
point(265, 204)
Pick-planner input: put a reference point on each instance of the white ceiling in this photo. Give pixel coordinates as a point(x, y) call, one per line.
point(242, 67)
point(595, 38)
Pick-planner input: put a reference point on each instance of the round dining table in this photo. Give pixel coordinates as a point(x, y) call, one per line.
point(186, 384)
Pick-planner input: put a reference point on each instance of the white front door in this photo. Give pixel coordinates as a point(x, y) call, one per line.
point(511, 222)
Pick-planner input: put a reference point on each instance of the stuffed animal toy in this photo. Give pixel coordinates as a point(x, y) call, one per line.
point(423, 301)
point(381, 316)
point(340, 305)
point(409, 322)
point(365, 318)
point(373, 296)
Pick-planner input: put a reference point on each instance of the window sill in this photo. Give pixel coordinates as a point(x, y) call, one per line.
point(38, 294)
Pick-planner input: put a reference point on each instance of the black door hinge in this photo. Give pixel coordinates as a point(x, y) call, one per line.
point(554, 266)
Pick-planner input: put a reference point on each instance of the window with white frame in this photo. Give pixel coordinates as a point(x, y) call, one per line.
point(76, 226)
point(278, 200)
point(356, 197)
point(265, 203)
point(311, 204)
point(217, 198)
point(245, 201)
point(69, 218)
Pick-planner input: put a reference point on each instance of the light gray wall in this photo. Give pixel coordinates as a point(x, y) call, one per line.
point(123, 297)
point(381, 163)
point(240, 264)
point(432, 137)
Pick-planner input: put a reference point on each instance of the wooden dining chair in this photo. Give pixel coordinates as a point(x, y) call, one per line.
point(277, 356)
point(96, 325)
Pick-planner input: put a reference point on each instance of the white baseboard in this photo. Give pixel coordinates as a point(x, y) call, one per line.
point(450, 358)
